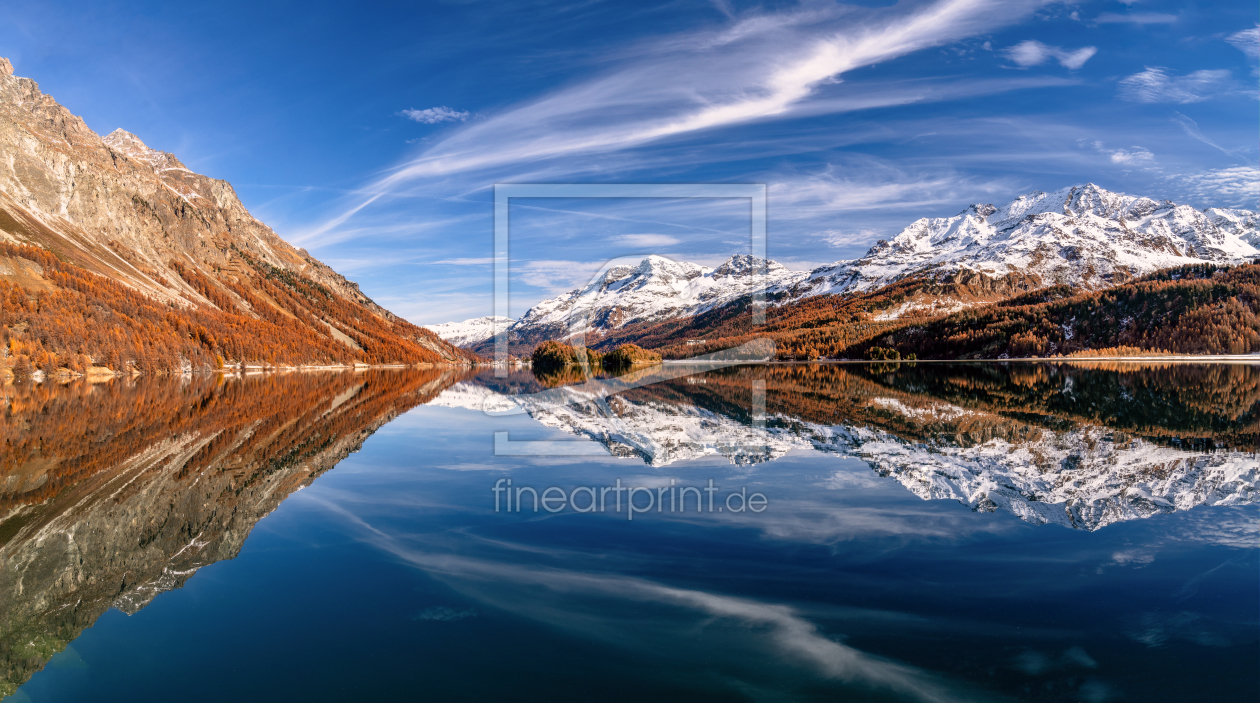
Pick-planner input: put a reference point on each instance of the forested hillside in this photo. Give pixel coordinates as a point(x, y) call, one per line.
point(1198, 309)
point(807, 329)
point(58, 315)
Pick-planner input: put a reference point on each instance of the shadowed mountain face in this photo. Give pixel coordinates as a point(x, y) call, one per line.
point(111, 494)
point(1081, 445)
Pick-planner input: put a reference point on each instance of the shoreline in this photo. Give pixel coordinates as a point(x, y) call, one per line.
point(1186, 358)
point(98, 374)
point(254, 370)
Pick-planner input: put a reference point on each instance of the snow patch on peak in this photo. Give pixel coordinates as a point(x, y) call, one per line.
point(471, 332)
point(1083, 235)
point(747, 265)
point(655, 289)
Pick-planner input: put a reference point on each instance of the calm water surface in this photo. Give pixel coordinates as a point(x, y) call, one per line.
point(929, 532)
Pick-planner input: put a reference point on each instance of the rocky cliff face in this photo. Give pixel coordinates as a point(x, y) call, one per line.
point(118, 208)
point(171, 477)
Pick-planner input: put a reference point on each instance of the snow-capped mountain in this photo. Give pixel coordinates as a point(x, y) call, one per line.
point(1083, 236)
point(469, 332)
point(655, 289)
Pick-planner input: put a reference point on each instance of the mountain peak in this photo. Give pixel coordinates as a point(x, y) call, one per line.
point(6, 68)
point(1083, 235)
point(659, 266)
point(746, 265)
point(121, 139)
point(124, 142)
point(980, 210)
point(136, 215)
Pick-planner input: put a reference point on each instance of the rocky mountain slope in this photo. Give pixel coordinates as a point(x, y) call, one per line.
point(1083, 236)
point(117, 208)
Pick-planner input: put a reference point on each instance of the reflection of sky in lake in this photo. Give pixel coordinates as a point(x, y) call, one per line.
point(393, 577)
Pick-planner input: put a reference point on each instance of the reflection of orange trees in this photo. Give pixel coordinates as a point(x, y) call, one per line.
point(836, 395)
point(1215, 403)
point(1116, 351)
point(965, 405)
point(55, 436)
point(272, 317)
point(117, 492)
point(564, 376)
point(574, 375)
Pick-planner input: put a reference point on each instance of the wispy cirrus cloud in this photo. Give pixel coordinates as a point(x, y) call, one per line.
point(1247, 41)
point(1136, 18)
point(766, 66)
point(871, 187)
point(1034, 53)
point(759, 69)
point(1191, 128)
point(555, 276)
point(1238, 186)
point(647, 240)
point(848, 238)
point(1157, 85)
point(435, 115)
point(1132, 156)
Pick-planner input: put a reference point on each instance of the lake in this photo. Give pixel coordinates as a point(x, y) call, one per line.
point(858, 532)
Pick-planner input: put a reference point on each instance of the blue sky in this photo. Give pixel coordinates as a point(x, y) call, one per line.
point(372, 134)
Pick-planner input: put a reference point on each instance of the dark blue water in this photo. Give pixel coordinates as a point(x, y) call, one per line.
point(391, 577)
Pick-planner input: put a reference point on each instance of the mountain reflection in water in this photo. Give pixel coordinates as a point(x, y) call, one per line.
point(1083, 445)
point(112, 493)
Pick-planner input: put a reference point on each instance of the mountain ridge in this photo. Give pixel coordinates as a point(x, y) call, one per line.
point(116, 208)
point(1083, 236)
